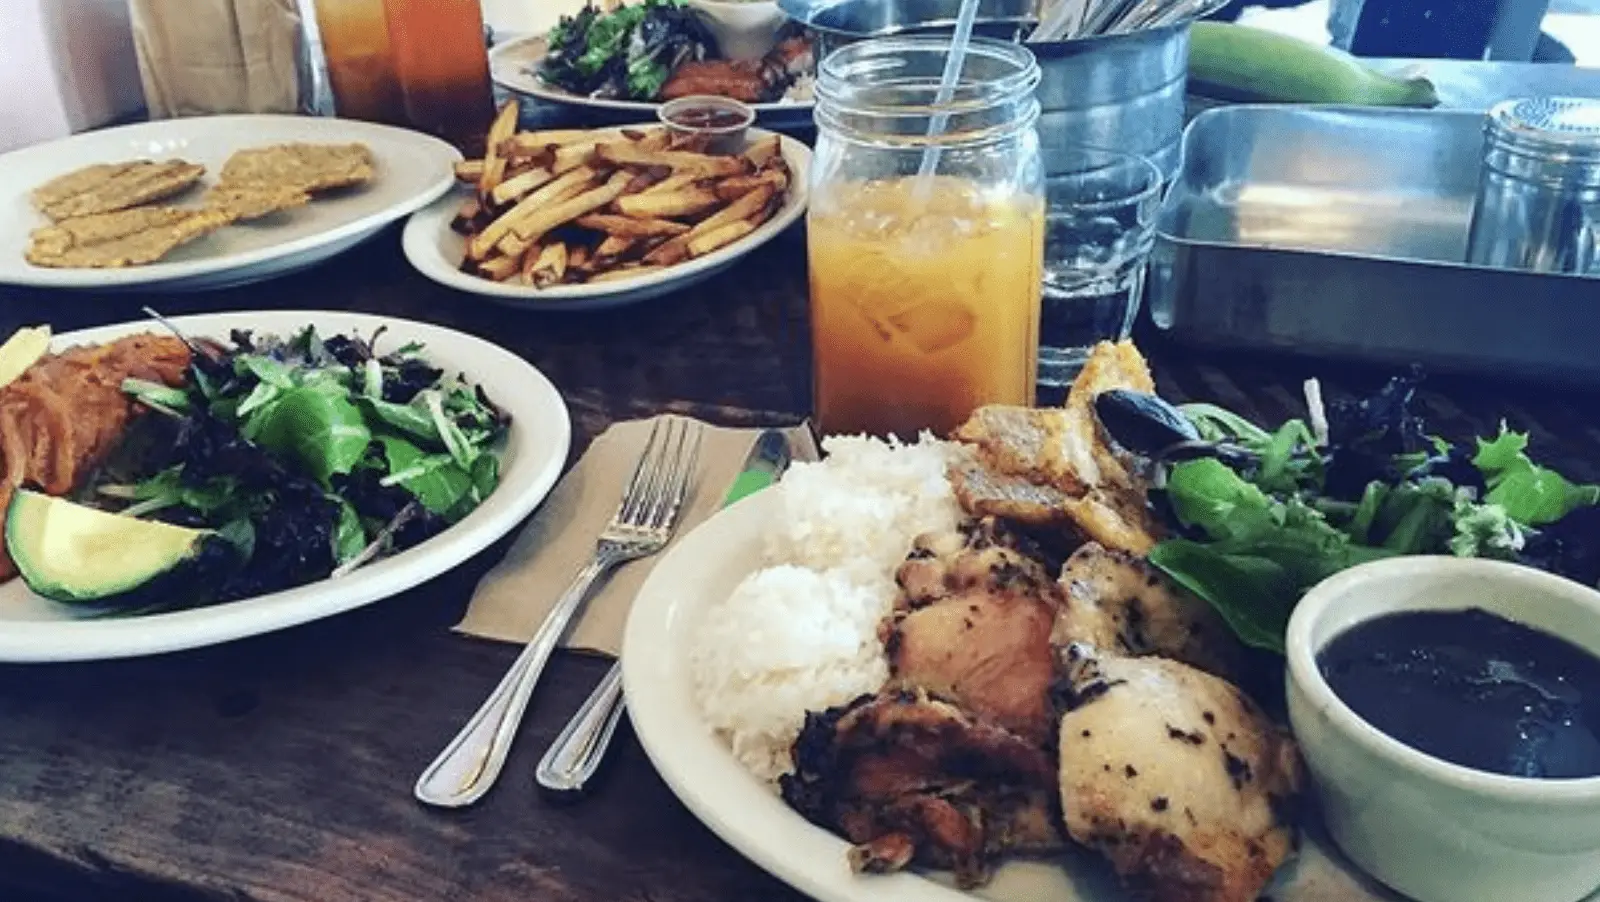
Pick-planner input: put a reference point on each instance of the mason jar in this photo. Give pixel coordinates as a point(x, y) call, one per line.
point(925, 235)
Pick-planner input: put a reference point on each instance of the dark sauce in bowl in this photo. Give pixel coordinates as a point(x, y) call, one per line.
point(713, 118)
point(1473, 689)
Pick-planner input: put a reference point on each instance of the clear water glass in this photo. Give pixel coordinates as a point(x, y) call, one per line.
point(1100, 217)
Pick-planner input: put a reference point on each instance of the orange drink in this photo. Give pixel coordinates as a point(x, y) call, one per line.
point(924, 302)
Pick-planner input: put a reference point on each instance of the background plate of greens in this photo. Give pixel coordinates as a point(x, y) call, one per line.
point(475, 484)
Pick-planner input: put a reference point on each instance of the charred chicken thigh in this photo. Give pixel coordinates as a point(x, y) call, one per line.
point(1175, 776)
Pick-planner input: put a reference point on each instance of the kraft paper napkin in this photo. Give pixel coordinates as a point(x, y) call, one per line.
point(514, 597)
point(201, 57)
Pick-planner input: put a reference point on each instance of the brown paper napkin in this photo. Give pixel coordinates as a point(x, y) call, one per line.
point(199, 57)
point(514, 597)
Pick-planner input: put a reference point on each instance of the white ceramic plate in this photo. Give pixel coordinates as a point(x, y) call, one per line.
point(412, 170)
point(34, 629)
point(514, 63)
point(706, 565)
point(436, 251)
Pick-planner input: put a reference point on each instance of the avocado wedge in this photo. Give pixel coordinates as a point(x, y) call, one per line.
point(21, 351)
point(71, 553)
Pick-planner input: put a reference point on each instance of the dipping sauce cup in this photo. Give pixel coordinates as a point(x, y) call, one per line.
point(1437, 831)
point(721, 119)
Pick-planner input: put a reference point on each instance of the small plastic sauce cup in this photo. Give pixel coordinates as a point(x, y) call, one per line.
point(722, 119)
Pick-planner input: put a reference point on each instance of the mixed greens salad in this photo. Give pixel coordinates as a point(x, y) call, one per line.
point(626, 54)
point(1361, 480)
point(309, 455)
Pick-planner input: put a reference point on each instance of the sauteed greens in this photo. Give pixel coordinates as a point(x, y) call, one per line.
point(1361, 481)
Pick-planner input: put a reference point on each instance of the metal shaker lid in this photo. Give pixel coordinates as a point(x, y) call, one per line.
point(1546, 138)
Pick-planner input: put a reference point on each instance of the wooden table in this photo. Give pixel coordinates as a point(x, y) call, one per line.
point(280, 768)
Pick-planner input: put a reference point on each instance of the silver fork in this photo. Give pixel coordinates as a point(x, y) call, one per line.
point(641, 526)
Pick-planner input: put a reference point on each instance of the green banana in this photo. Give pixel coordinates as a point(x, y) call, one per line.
point(1237, 62)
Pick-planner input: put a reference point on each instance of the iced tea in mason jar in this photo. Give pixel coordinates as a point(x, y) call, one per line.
point(361, 68)
point(924, 284)
point(442, 56)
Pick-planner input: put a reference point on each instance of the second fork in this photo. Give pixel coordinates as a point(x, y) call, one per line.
point(641, 526)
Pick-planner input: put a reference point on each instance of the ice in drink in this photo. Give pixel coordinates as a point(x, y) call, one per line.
point(924, 302)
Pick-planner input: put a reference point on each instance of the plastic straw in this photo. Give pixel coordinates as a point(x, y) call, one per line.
point(947, 88)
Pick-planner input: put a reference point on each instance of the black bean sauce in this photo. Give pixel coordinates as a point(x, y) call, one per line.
point(1474, 689)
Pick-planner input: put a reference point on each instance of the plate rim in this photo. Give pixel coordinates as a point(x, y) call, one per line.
point(23, 641)
point(427, 226)
point(158, 273)
point(509, 75)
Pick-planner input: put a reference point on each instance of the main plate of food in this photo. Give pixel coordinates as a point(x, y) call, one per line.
point(587, 219)
point(1040, 659)
point(199, 203)
point(639, 55)
point(173, 484)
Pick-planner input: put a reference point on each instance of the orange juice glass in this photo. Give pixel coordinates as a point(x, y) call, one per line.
point(925, 271)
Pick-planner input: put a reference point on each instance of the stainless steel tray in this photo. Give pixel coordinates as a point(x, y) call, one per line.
point(1339, 232)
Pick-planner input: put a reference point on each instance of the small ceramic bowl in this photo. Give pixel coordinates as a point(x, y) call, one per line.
point(744, 29)
point(1436, 831)
point(722, 119)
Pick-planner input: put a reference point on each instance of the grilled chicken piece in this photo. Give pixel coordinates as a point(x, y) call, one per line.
point(908, 777)
point(973, 625)
point(1078, 477)
point(1177, 777)
point(1121, 605)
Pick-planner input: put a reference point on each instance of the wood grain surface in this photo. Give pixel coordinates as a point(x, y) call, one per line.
point(280, 768)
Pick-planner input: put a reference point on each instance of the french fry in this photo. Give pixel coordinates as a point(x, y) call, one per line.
point(626, 272)
point(645, 178)
point(743, 208)
point(514, 245)
point(547, 267)
point(499, 268)
point(626, 153)
point(687, 202)
point(631, 227)
point(614, 246)
point(738, 186)
point(700, 245)
point(570, 156)
point(670, 252)
point(539, 140)
point(520, 184)
point(764, 150)
point(547, 218)
point(555, 192)
point(593, 206)
point(470, 210)
point(494, 165)
point(672, 183)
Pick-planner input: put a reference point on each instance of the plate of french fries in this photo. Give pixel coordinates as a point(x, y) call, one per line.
point(588, 218)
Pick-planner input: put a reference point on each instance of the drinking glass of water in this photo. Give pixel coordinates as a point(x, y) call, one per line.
point(1100, 220)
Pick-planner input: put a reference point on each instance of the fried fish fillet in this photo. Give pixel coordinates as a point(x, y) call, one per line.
point(1051, 467)
point(255, 201)
point(307, 168)
point(122, 238)
point(108, 187)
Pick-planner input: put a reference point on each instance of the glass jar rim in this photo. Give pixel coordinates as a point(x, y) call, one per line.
point(875, 55)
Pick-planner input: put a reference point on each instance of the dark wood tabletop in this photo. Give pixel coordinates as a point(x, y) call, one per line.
point(281, 767)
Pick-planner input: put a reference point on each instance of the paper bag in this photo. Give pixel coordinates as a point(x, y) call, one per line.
point(200, 57)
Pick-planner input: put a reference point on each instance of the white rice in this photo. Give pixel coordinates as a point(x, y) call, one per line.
point(801, 635)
